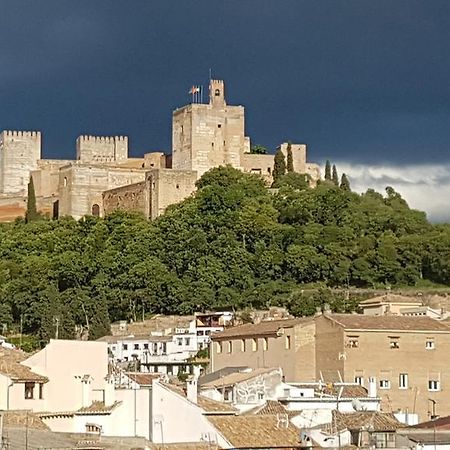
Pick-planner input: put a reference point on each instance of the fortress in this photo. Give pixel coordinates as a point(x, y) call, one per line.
point(103, 177)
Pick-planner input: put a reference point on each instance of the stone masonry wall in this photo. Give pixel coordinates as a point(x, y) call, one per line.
point(133, 197)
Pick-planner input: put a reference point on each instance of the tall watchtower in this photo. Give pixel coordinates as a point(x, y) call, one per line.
point(208, 135)
point(19, 155)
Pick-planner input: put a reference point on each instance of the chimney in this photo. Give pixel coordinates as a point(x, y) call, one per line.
point(109, 395)
point(192, 385)
point(85, 391)
point(372, 390)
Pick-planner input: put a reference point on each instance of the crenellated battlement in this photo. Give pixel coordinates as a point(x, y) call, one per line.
point(22, 134)
point(102, 139)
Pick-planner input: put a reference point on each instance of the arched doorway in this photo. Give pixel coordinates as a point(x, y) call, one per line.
point(95, 210)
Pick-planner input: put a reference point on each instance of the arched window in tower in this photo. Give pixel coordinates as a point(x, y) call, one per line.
point(95, 210)
point(217, 92)
point(65, 181)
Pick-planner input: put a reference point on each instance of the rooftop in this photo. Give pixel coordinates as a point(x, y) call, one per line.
point(238, 377)
point(264, 328)
point(442, 423)
point(259, 431)
point(10, 365)
point(142, 378)
point(97, 407)
point(376, 421)
point(208, 405)
point(394, 323)
point(391, 298)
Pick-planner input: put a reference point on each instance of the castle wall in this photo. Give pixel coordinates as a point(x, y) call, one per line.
point(99, 149)
point(81, 187)
point(155, 160)
point(19, 154)
point(168, 186)
point(258, 164)
point(134, 197)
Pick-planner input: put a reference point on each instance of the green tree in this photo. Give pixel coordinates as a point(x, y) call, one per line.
point(345, 183)
point(258, 150)
point(327, 171)
point(31, 213)
point(290, 159)
point(279, 168)
point(335, 177)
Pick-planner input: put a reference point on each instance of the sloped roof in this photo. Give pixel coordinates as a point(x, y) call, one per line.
point(264, 328)
point(23, 418)
point(377, 421)
point(348, 391)
point(97, 407)
point(237, 377)
point(259, 431)
point(442, 423)
point(142, 378)
point(208, 405)
point(391, 298)
point(10, 365)
point(388, 323)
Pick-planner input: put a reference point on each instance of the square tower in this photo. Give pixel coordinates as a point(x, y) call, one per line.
point(208, 135)
point(19, 155)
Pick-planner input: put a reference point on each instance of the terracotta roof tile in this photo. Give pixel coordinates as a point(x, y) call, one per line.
point(97, 407)
point(142, 378)
point(238, 377)
point(259, 431)
point(394, 323)
point(378, 421)
point(11, 366)
point(264, 328)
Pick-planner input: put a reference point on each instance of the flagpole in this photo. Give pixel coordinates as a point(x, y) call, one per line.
point(201, 94)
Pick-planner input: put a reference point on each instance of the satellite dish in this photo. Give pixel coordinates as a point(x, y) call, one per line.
point(357, 405)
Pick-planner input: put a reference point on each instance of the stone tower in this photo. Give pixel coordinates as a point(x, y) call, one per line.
point(19, 154)
point(208, 135)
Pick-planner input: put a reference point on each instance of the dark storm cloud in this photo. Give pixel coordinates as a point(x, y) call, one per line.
point(360, 81)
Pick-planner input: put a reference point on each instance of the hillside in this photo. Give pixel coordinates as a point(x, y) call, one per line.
point(234, 244)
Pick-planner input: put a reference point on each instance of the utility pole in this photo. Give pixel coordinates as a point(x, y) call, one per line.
point(57, 327)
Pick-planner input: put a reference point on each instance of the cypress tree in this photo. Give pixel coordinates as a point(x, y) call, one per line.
point(31, 213)
point(290, 159)
point(345, 183)
point(335, 176)
point(327, 171)
point(279, 168)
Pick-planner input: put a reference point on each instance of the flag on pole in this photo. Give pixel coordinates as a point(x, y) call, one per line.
point(194, 90)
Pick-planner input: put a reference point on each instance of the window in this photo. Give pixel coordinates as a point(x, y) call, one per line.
point(434, 385)
point(180, 341)
point(217, 92)
point(41, 391)
point(93, 428)
point(164, 348)
point(359, 380)
point(219, 347)
point(352, 342)
point(403, 381)
point(125, 347)
point(187, 341)
point(385, 384)
point(242, 345)
point(429, 344)
point(125, 358)
point(230, 346)
point(145, 346)
point(29, 391)
point(219, 125)
point(394, 342)
point(136, 346)
point(288, 342)
point(265, 343)
point(254, 345)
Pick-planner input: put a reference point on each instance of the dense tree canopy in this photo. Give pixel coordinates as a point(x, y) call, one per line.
point(234, 244)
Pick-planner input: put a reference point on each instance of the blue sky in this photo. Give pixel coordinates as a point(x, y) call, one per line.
point(361, 82)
